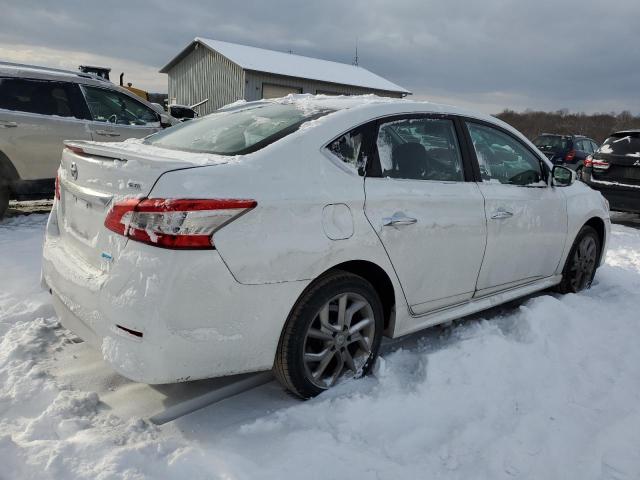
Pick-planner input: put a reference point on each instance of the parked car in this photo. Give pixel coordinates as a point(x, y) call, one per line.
point(568, 150)
point(294, 234)
point(42, 107)
point(614, 170)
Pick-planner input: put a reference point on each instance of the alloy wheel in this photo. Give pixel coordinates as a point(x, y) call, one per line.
point(583, 263)
point(339, 339)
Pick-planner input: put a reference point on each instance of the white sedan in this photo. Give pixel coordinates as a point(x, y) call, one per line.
point(294, 234)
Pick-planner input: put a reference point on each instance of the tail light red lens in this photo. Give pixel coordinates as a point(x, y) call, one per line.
point(175, 223)
point(600, 164)
point(571, 154)
point(57, 186)
point(76, 150)
point(596, 163)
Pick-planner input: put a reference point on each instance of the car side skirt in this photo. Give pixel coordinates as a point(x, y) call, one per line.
point(475, 305)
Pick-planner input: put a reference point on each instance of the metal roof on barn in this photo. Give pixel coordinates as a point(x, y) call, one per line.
point(291, 65)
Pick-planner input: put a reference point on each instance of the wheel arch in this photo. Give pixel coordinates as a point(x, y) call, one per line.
point(598, 225)
point(8, 171)
point(381, 282)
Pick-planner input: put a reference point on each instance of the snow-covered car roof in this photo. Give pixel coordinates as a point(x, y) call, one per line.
point(379, 106)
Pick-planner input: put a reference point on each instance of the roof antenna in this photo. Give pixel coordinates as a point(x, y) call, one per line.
point(355, 59)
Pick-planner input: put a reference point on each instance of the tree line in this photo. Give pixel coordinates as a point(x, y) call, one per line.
point(597, 126)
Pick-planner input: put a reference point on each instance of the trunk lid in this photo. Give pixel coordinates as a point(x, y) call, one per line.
point(94, 175)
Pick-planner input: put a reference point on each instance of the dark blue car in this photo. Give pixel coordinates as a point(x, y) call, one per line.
point(568, 150)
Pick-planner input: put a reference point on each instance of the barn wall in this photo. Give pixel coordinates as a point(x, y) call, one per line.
point(205, 74)
point(254, 81)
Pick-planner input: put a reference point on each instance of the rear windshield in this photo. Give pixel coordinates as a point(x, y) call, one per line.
point(551, 142)
point(622, 144)
point(235, 132)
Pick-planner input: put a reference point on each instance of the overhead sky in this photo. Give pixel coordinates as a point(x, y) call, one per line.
point(488, 55)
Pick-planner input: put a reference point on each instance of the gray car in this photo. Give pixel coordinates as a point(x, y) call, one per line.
point(42, 107)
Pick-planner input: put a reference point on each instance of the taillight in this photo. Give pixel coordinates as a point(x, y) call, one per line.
point(571, 154)
point(595, 163)
point(600, 164)
point(175, 223)
point(76, 150)
point(57, 186)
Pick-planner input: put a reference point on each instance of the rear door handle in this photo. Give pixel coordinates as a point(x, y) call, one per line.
point(500, 214)
point(398, 218)
point(5, 124)
point(107, 133)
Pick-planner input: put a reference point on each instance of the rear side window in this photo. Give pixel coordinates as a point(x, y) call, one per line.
point(627, 144)
point(235, 132)
point(420, 149)
point(502, 158)
point(115, 107)
point(350, 149)
point(39, 96)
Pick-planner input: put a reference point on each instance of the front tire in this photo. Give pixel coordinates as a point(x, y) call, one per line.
point(581, 264)
point(333, 331)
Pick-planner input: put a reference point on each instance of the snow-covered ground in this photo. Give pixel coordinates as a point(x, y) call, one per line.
point(546, 389)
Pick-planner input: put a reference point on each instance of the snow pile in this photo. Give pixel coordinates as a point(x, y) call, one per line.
point(546, 389)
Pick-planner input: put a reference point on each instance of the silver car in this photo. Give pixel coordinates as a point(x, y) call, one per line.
point(42, 107)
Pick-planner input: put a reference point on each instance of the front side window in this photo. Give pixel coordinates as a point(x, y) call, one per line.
point(502, 158)
point(420, 149)
point(235, 132)
point(115, 107)
point(43, 97)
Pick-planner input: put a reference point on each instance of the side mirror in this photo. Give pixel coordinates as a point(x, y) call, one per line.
point(182, 112)
point(562, 176)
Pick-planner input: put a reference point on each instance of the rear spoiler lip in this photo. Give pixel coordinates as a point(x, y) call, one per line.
point(90, 152)
point(179, 159)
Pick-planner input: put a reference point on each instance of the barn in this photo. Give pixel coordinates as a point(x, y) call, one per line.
point(224, 72)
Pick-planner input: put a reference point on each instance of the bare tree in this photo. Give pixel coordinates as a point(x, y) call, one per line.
point(597, 126)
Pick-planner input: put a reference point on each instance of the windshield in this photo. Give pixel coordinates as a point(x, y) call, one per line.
point(551, 142)
point(235, 132)
point(627, 144)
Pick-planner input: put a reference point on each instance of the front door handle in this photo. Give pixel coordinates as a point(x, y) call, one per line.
point(500, 214)
point(6, 124)
point(107, 133)
point(398, 218)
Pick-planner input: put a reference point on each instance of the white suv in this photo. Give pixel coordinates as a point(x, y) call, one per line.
point(294, 234)
point(42, 107)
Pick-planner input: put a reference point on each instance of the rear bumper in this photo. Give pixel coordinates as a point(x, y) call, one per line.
point(621, 198)
point(196, 321)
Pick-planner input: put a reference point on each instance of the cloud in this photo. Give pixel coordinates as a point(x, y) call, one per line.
point(487, 55)
point(144, 76)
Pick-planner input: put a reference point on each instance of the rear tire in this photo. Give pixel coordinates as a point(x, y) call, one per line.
point(333, 331)
point(4, 198)
point(581, 264)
